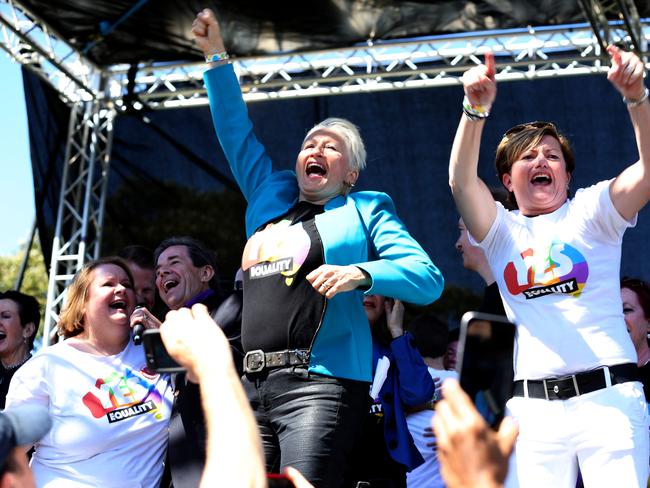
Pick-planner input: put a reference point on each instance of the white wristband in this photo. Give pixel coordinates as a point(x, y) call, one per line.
point(216, 57)
point(636, 103)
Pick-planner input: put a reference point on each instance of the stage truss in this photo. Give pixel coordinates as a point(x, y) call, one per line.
point(96, 94)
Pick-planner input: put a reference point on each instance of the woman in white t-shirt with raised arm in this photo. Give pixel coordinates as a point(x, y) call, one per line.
point(556, 260)
point(109, 413)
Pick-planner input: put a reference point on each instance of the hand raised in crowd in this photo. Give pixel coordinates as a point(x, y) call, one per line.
point(470, 453)
point(194, 340)
point(480, 83)
point(143, 316)
point(329, 279)
point(394, 317)
point(626, 73)
point(234, 449)
point(207, 33)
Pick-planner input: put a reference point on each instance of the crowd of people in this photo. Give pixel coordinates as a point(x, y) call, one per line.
point(309, 369)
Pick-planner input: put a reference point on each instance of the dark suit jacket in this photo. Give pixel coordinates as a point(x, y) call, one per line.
point(187, 434)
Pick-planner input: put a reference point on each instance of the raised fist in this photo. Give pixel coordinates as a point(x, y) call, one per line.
point(207, 33)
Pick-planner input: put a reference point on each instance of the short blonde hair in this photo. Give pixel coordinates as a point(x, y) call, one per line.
point(350, 134)
point(71, 320)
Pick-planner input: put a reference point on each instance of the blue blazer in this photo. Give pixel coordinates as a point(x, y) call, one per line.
point(360, 229)
point(408, 383)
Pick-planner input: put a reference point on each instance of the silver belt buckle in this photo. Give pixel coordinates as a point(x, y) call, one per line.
point(254, 361)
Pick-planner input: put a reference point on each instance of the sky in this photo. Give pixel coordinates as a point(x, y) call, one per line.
point(16, 188)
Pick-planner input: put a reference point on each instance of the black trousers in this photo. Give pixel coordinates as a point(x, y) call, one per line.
point(307, 421)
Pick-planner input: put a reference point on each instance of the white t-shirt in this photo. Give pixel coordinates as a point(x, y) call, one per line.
point(558, 275)
point(428, 474)
point(110, 417)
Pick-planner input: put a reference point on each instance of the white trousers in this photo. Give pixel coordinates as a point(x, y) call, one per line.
point(604, 433)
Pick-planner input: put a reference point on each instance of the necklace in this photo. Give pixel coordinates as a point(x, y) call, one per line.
point(16, 365)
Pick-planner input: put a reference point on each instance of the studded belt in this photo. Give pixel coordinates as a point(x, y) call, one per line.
point(258, 360)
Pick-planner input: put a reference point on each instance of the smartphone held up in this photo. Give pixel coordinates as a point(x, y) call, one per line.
point(484, 366)
point(158, 359)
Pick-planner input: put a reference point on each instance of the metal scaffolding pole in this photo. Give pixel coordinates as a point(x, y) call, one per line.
point(77, 236)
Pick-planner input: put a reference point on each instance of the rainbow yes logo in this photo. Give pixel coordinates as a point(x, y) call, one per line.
point(556, 269)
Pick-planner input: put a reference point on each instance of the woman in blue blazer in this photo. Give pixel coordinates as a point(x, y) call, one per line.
point(314, 249)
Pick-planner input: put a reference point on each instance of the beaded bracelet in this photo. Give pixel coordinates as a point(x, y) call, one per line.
point(636, 103)
point(475, 112)
point(216, 57)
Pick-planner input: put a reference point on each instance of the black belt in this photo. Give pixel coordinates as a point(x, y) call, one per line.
point(258, 360)
point(576, 384)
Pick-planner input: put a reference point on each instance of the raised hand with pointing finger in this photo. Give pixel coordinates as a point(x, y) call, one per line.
point(626, 73)
point(480, 88)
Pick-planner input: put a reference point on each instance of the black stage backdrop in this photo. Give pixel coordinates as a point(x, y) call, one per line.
point(169, 176)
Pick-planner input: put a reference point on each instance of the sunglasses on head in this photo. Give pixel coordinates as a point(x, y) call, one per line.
point(538, 124)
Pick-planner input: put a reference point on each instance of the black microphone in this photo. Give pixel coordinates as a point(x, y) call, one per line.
point(138, 329)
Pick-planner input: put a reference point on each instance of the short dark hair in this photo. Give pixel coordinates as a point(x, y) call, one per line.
point(430, 334)
point(200, 254)
point(642, 290)
point(28, 310)
point(520, 138)
point(140, 255)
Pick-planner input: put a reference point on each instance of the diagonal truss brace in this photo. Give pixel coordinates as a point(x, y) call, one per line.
point(78, 232)
point(598, 13)
point(31, 42)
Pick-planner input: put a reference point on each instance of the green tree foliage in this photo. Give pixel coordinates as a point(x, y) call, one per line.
point(35, 279)
point(145, 212)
